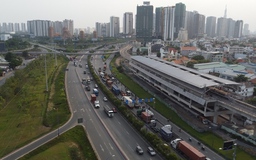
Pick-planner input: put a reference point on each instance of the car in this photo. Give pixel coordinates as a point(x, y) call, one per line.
point(136, 105)
point(139, 150)
point(151, 151)
point(114, 110)
point(105, 99)
point(96, 86)
point(155, 129)
point(84, 72)
point(87, 88)
point(104, 79)
point(66, 69)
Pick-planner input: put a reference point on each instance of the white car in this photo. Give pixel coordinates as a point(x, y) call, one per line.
point(97, 104)
point(151, 151)
point(105, 99)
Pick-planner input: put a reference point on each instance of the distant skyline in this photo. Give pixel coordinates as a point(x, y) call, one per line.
point(86, 13)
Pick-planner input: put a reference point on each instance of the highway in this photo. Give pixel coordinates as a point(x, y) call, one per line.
point(126, 137)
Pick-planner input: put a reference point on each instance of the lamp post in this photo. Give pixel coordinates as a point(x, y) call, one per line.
point(110, 156)
point(234, 154)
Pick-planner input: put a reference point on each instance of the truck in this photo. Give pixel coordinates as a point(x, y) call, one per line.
point(148, 118)
point(109, 83)
point(93, 98)
point(166, 132)
point(115, 89)
point(108, 111)
point(95, 91)
point(128, 101)
point(187, 150)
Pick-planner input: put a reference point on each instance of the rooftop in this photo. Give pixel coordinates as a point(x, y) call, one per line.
point(182, 73)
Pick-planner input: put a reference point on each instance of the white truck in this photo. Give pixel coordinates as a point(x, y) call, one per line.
point(128, 101)
point(108, 111)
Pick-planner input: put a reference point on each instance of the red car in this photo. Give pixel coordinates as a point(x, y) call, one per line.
point(114, 110)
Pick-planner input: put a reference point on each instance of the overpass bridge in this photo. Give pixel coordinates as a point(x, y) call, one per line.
point(68, 53)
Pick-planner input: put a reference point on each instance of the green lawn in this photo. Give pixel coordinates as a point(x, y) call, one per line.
point(71, 145)
point(24, 104)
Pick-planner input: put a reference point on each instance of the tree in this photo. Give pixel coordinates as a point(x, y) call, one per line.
point(9, 56)
point(190, 64)
point(25, 54)
point(138, 51)
point(198, 57)
point(240, 78)
point(15, 62)
point(13, 59)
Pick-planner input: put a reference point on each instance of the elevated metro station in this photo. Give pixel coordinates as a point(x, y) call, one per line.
point(204, 94)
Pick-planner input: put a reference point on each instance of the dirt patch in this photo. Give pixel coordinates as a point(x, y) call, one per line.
point(52, 91)
point(118, 61)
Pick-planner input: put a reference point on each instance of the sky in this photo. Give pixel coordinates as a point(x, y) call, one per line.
point(85, 13)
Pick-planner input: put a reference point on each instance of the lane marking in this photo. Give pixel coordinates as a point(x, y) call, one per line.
point(101, 148)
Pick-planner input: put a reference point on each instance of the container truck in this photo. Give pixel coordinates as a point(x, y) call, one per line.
point(108, 111)
point(115, 89)
point(166, 133)
point(187, 150)
point(95, 91)
point(128, 101)
point(93, 98)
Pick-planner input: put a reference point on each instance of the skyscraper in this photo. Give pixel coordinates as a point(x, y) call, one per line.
point(168, 28)
point(199, 25)
point(144, 22)
point(69, 24)
point(159, 16)
point(238, 29)
point(23, 27)
point(16, 27)
point(231, 27)
point(210, 26)
point(222, 27)
point(128, 23)
point(246, 30)
point(114, 26)
point(189, 23)
point(180, 15)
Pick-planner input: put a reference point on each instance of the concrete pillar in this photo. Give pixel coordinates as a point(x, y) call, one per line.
point(231, 116)
point(216, 108)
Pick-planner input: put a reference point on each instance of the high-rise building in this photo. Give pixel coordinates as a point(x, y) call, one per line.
point(128, 23)
point(159, 19)
point(69, 24)
point(189, 23)
point(168, 26)
point(180, 16)
point(10, 27)
point(246, 30)
point(98, 29)
point(238, 29)
point(57, 27)
point(231, 27)
point(144, 22)
point(199, 25)
point(23, 27)
point(38, 27)
point(4, 28)
point(210, 26)
point(114, 26)
point(222, 27)
point(16, 27)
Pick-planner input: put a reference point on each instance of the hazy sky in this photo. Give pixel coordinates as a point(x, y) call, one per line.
point(86, 12)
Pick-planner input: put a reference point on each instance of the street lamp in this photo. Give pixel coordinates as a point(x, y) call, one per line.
point(234, 154)
point(110, 156)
